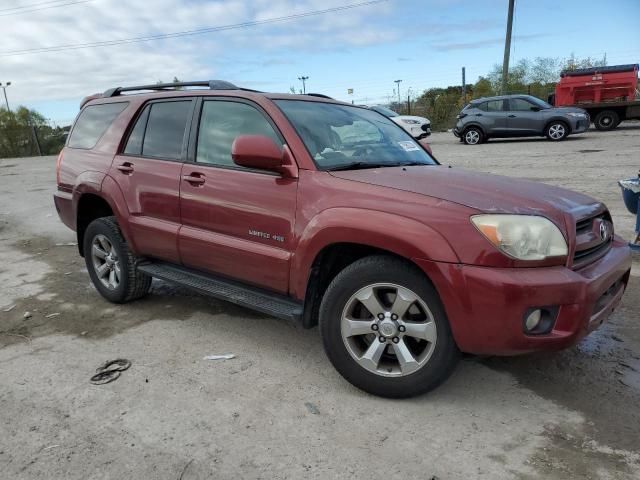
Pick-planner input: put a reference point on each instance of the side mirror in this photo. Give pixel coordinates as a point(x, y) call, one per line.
point(256, 151)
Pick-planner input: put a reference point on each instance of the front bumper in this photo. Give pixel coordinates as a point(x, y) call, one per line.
point(486, 306)
point(418, 131)
point(580, 125)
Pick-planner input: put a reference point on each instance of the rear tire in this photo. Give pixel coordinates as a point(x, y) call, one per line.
point(418, 352)
point(557, 131)
point(111, 264)
point(606, 120)
point(473, 136)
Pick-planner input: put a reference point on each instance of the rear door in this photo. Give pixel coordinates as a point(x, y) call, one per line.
point(524, 118)
point(148, 173)
point(492, 116)
point(236, 222)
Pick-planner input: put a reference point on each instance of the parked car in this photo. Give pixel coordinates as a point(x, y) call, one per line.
point(313, 210)
point(517, 116)
point(418, 127)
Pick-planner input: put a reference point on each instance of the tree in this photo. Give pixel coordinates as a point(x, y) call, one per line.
point(17, 130)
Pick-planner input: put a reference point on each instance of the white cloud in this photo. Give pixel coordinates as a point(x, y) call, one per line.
point(71, 74)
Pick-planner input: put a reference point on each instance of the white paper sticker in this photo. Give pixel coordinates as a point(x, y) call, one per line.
point(409, 146)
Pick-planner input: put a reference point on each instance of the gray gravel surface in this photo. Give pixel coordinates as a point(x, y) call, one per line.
point(278, 409)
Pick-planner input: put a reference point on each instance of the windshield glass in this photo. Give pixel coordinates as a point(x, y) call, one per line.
point(341, 137)
point(384, 111)
point(538, 102)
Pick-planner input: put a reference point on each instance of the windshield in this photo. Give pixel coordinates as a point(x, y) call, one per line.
point(341, 137)
point(384, 111)
point(539, 103)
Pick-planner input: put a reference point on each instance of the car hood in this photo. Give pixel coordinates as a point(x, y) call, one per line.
point(412, 117)
point(563, 110)
point(484, 192)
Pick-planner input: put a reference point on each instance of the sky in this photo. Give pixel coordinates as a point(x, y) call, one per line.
point(424, 43)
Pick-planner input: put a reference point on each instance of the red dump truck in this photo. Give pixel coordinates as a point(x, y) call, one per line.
point(608, 94)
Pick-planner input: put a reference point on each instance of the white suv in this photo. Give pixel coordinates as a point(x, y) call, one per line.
point(417, 127)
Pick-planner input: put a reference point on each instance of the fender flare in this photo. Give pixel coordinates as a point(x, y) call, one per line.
point(353, 225)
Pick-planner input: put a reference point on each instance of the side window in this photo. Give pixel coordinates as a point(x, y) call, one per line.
point(495, 106)
point(164, 135)
point(519, 105)
point(93, 122)
point(134, 143)
point(221, 122)
point(481, 106)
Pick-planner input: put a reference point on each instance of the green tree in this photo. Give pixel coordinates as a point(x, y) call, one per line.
point(19, 130)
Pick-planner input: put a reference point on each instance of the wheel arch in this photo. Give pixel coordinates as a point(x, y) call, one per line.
point(563, 120)
point(345, 235)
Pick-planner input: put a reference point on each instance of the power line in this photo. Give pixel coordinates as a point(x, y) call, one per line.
point(200, 31)
point(27, 9)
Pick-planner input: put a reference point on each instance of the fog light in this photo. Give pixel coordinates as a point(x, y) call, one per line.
point(533, 320)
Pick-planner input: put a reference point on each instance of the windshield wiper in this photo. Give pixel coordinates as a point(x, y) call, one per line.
point(360, 166)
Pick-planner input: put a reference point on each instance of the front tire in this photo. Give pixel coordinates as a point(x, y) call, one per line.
point(111, 264)
point(384, 328)
point(472, 136)
point(606, 120)
point(557, 131)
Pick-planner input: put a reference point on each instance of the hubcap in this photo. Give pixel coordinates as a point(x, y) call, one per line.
point(472, 137)
point(388, 329)
point(105, 262)
point(556, 131)
point(605, 120)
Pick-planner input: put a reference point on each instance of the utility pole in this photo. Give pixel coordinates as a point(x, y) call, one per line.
point(464, 89)
point(4, 90)
point(304, 79)
point(397, 82)
point(507, 48)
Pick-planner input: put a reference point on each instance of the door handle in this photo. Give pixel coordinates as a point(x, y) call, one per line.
point(126, 168)
point(478, 114)
point(512, 116)
point(194, 178)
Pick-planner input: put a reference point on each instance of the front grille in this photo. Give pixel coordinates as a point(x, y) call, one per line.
point(590, 246)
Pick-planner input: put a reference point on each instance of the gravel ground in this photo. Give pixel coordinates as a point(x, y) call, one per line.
point(278, 409)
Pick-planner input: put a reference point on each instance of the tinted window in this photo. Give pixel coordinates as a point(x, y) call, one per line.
point(164, 135)
point(93, 122)
point(134, 144)
point(481, 106)
point(519, 105)
point(221, 123)
point(495, 106)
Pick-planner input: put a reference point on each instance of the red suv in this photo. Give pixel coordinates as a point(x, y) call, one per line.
point(306, 208)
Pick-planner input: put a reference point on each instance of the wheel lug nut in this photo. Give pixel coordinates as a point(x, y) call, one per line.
point(394, 317)
point(382, 339)
point(381, 316)
point(374, 327)
point(396, 339)
point(402, 328)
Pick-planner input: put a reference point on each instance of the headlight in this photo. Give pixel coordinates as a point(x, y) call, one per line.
point(524, 237)
point(577, 115)
point(410, 122)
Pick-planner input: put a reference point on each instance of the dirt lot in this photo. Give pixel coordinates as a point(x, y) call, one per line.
point(279, 410)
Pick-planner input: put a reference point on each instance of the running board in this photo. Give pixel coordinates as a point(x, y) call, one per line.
point(250, 297)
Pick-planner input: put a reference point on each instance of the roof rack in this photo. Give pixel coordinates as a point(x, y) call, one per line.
point(210, 84)
point(321, 95)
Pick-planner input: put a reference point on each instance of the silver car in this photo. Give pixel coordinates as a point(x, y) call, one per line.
point(417, 127)
point(517, 116)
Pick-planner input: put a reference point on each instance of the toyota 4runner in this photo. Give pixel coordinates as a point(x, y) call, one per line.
point(306, 208)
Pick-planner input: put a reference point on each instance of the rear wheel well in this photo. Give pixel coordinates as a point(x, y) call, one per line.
point(90, 207)
point(330, 261)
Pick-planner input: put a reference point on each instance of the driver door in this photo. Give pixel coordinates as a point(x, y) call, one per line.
point(236, 222)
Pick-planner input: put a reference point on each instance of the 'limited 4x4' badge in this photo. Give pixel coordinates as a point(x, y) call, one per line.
point(266, 236)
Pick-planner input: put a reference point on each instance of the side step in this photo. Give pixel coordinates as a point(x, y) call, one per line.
point(246, 296)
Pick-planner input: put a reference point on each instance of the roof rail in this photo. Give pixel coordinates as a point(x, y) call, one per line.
point(321, 95)
point(210, 84)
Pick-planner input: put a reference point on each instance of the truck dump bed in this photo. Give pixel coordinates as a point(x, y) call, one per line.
point(617, 83)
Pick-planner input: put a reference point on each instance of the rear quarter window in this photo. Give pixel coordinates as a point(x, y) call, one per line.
point(93, 121)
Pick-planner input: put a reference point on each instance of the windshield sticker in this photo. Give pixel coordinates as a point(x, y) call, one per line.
point(409, 146)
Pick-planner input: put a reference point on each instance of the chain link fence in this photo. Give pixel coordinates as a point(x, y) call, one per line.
point(31, 141)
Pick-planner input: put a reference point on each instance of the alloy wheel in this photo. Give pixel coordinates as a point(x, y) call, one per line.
point(557, 131)
point(472, 137)
point(388, 330)
point(105, 262)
